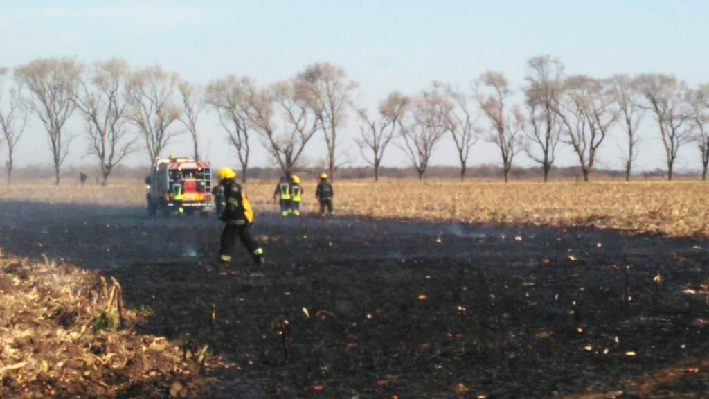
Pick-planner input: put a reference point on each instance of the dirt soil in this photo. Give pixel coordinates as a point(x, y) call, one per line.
point(360, 308)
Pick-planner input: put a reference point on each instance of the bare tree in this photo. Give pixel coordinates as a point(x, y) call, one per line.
point(376, 135)
point(101, 99)
point(151, 107)
point(493, 93)
point(631, 113)
point(665, 97)
point(192, 105)
point(329, 94)
point(423, 129)
point(587, 112)
point(699, 122)
point(230, 97)
point(286, 101)
point(461, 121)
point(13, 118)
point(53, 83)
point(545, 80)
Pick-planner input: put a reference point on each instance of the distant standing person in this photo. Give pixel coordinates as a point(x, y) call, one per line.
point(283, 193)
point(83, 177)
point(296, 193)
point(324, 194)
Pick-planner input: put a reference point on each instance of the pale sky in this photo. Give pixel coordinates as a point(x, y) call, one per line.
point(384, 45)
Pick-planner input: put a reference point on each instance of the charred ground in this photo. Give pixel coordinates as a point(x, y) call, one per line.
point(382, 308)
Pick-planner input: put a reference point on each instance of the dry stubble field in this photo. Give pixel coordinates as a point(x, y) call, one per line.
point(679, 208)
point(415, 290)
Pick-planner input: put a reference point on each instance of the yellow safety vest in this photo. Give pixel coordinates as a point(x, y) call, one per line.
point(284, 189)
point(177, 191)
point(297, 192)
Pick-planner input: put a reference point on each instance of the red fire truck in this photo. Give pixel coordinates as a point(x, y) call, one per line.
point(179, 185)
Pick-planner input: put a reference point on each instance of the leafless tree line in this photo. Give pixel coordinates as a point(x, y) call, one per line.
point(122, 106)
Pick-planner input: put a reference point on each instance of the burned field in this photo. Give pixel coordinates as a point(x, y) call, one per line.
point(349, 307)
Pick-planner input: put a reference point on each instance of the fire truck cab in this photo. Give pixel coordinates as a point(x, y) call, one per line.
point(179, 185)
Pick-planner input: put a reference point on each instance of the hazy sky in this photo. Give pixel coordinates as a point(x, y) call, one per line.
point(384, 45)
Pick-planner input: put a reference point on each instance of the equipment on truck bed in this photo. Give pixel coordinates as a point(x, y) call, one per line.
point(179, 185)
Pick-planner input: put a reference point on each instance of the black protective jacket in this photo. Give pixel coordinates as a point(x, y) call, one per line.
point(238, 208)
point(324, 191)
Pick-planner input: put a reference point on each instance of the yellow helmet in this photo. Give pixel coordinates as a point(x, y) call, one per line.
point(323, 175)
point(296, 179)
point(226, 173)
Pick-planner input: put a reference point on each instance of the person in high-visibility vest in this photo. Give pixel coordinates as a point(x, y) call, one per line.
point(283, 193)
point(177, 197)
point(324, 194)
point(296, 193)
point(237, 217)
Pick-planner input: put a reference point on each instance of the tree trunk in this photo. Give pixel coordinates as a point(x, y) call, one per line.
point(705, 164)
point(586, 174)
point(628, 166)
point(376, 170)
point(196, 151)
point(462, 169)
point(56, 174)
point(545, 168)
point(669, 171)
point(507, 173)
point(9, 164)
point(104, 177)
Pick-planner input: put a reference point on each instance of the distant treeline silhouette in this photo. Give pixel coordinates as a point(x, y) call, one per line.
point(484, 171)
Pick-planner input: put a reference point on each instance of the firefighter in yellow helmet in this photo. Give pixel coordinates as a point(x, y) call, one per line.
point(324, 194)
point(237, 217)
point(296, 193)
point(282, 192)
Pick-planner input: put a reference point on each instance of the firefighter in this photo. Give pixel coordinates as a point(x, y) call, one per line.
point(283, 193)
point(178, 197)
point(296, 192)
point(324, 194)
point(237, 218)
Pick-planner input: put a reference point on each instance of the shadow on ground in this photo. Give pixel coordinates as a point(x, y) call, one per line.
point(374, 308)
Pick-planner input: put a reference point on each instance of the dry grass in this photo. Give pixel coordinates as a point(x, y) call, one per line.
point(59, 337)
point(674, 208)
point(122, 192)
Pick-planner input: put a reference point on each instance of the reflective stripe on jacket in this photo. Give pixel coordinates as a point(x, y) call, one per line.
point(296, 192)
point(177, 192)
point(324, 191)
point(284, 190)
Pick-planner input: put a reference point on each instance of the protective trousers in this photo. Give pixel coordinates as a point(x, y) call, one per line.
point(286, 206)
point(243, 232)
point(326, 204)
